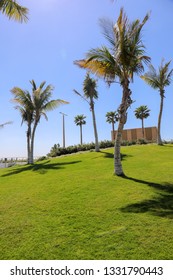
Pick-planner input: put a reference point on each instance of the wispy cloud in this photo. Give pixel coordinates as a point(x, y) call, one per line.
point(63, 54)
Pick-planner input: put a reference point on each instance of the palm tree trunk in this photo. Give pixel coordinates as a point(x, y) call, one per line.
point(81, 134)
point(113, 128)
point(125, 103)
point(94, 125)
point(32, 142)
point(143, 128)
point(28, 133)
point(159, 139)
point(117, 154)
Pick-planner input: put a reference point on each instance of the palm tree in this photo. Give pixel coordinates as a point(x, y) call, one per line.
point(159, 80)
point(80, 120)
point(112, 117)
point(13, 10)
point(142, 113)
point(121, 61)
point(25, 106)
point(32, 107)
point(90, 93)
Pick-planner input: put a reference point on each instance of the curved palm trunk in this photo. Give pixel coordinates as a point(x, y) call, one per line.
point(81, 134)
point(125, 103)
point(94, 125)
point(159, 139)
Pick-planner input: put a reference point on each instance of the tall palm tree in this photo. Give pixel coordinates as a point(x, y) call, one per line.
point(142, 112)
point(32, 106)
point(23, 99)
point(13, 10)
point(123, 59)
point(112, 117)
point(159, 80)
point(80, 120)
point(90, 93)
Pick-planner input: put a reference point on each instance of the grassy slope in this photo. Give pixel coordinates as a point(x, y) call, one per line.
point(74, 208)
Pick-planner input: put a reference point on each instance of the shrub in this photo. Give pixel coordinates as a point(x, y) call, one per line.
point(106, 144)
point(168, 141)
point(56, 150)
point(41, 158)
point(128, 143)
point(142, 141)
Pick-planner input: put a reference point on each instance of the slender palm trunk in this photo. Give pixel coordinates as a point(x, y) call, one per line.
point(159, 139)
point(28, 147)
point(125, 103)
point(143, 133)
point(81, 134)
point(113, 128)
point(28, 133)
point(117, 154)
point(32, 142)
point(94, 125)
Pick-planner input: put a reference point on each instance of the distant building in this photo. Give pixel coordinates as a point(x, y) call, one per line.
point(136, 133)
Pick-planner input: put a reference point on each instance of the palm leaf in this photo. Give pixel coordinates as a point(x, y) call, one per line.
point(160, 79)
point(13, 10)
point(53, 104)
point(108, 31)
point(2, 125)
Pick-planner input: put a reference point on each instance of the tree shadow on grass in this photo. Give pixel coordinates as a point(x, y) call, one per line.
point(40, 168)
point(161, 205)
point(168, 145)
point(111, 155)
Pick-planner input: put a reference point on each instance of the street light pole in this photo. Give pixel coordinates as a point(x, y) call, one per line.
point(63, 128)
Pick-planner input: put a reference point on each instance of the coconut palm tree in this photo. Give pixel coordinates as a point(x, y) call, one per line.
point(23, 99)
point(32, 106)
point(112, 117)
point(159, 80)
point(142, 112)
point(13, 10)
point(124, 58)
point(80, 120)
point(90, 93)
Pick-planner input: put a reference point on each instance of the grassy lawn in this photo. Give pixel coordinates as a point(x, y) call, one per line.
point(73, 207)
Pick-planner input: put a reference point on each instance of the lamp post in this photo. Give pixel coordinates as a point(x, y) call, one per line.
point(63, 128)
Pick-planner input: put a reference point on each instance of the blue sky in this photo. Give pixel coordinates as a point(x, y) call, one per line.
point(59, 32)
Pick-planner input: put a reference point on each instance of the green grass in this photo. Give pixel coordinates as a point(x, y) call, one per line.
point(73, 207)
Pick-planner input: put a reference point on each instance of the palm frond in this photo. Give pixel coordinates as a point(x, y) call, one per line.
point(159, 79)
point(80, 120)
point(13, 10)
point(34, 87)
point(2, 125)
point(43, 84)
point(142, 112)
point(44, 115)
point(89, 88)
point(165, 74)
point(101, 63)
point(126, 56)
point(53, 104)
point(108, 31)
point(151, 81)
